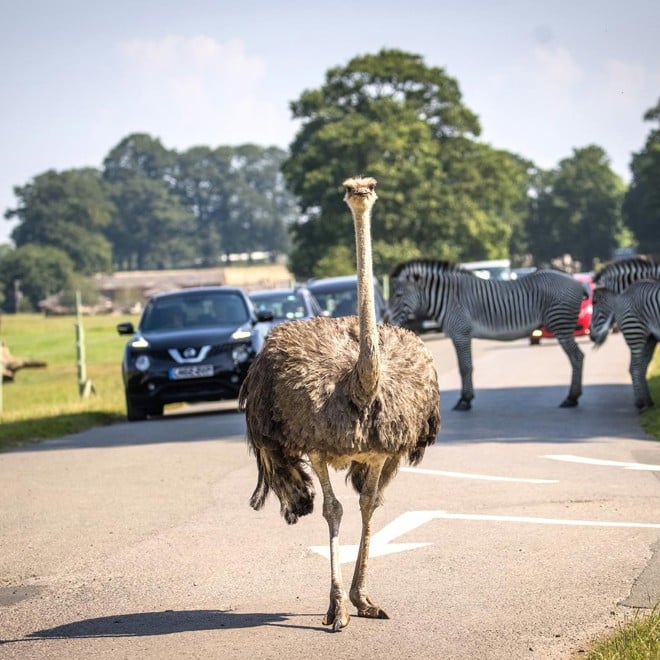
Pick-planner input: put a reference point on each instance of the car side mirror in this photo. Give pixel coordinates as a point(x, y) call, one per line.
point(125, 328)
point(264, 315)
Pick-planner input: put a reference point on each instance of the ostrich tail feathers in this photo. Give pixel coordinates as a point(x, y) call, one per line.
point(287, 477)
point(260, 492)
point(427, 437)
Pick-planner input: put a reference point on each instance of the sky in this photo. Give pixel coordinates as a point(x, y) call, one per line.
point(543, 76)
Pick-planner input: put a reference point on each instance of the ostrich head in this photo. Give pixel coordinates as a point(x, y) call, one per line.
point(360, 193)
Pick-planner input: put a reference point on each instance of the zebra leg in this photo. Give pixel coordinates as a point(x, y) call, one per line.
point(576, 358)
point(463, 348)
point(639, 362)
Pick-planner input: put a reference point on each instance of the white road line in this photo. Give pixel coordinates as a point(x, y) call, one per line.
point(381, 542)
point(544, 521)
point(483, 477)
point(569, 458)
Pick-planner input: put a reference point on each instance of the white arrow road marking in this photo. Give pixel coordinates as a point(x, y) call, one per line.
point(484, 477)
point(380, 542)
point(569, 458)
point(406, 522)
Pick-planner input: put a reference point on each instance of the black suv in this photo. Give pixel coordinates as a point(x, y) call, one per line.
point(190, 345)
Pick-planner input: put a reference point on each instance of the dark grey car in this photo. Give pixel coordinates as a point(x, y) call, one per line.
point(292, 304)
point(337, 296)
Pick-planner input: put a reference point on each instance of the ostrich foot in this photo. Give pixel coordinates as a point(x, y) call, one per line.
point(568, 402)
point(337, 615)
point(367, 609)
point(373, 612)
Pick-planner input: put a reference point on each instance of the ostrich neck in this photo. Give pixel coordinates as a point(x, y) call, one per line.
point(368, 364)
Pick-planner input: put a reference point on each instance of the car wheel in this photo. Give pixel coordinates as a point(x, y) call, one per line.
point(134, 413)
point(155, 410)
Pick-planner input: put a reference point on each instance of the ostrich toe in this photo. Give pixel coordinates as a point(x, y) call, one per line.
point(366, 608)
point(337, 615)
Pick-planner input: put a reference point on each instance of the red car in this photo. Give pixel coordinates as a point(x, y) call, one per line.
point(584, 317)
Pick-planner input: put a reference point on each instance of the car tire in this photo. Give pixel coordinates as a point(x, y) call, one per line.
point(134, 413)
point(155, 410)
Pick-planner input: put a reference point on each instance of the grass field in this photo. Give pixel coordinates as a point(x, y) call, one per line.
point(45, 402)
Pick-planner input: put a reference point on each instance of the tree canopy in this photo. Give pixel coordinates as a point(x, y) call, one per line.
point(641, 207)
point(67, 210)
point(392, 117)
point(579, 210)
point(30, 273)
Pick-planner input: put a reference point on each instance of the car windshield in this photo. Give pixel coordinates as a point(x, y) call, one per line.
point(196, 310)
point(340, 300)
point(283, 304)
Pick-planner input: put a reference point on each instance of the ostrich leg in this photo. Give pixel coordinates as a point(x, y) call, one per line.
point(337, 614)
point(368, 503)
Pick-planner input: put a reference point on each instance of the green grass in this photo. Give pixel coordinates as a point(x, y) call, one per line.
point(650, 419)
point(637, 639)
point(45, 402)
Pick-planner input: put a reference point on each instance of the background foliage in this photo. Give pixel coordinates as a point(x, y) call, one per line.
point(445, 194)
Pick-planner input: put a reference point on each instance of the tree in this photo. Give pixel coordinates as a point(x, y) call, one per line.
point(641, 207)
point(392, 117)
point(32, 272)
point(578, 212)
point(67, 210)
point(200, 203)
point(139, 154)
point(151, 229)
point(261, 208)
point(205, 184)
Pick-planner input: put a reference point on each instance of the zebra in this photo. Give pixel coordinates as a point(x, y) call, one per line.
point(636, 311)
point(467, 306)
point(618, 275)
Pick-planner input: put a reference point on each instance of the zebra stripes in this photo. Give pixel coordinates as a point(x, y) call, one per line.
point(467, 306)
point(619, 275)
point(634, 304)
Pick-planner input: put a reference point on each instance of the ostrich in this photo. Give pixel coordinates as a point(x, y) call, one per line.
point(341, 392)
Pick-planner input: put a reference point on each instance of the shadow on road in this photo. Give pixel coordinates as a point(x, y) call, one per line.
point(532, 414)
point(170, 622)
point(508, 414)
point(183, 426)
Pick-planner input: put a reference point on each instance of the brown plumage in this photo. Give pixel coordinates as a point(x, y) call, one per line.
point(343, 392)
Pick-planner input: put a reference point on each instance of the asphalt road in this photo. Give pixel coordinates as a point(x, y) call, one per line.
point(527, 531)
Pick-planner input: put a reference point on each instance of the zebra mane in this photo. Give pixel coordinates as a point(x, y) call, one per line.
point(435, 265)
point(626, 266)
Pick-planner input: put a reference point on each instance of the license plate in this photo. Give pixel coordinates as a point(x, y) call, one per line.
point(196, 371)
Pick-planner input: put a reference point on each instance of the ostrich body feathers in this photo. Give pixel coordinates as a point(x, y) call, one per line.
point(300, 396)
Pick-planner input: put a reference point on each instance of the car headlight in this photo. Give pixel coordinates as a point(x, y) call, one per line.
point(240, 353)
point(142, 363)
